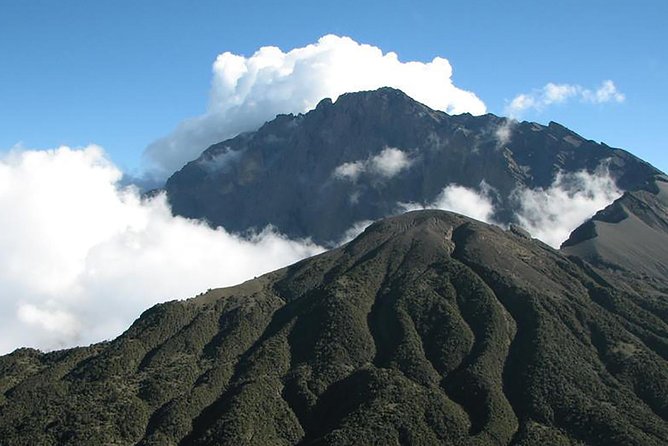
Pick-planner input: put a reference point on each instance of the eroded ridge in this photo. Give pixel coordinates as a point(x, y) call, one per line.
point(429, 328)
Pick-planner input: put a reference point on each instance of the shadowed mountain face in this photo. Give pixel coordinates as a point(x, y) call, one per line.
point(316, 175)
point(429, 328)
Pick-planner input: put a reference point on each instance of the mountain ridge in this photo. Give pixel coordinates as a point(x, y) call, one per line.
point(630, 235)
point(288, 173)
point(428, 328)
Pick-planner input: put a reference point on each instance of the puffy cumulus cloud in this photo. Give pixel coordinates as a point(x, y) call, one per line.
point(549, 214)
point(607, 92)
point(349, 171)
point(388, 163)
point(553, 93)
point(462, 200)
point(552, 214)
point(247, 91)
point(475, 204)
point(82, 256)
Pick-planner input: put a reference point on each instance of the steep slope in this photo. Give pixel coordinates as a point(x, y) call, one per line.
point(630, 235)
point(315, 175)
point(429, 328)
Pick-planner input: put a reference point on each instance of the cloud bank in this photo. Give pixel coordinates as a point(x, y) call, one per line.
point(549, 215)
point(83, 257)
point(248, 91)
point(552, 94)
point(473, 203)
point(386, 164)
point(552, 214)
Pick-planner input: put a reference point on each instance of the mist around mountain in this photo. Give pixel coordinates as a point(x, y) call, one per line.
point(428, 328)
point(630, 235)
point(84, 250)
point(377, 153)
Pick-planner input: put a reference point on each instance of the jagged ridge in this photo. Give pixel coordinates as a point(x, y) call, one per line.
point(283, 174)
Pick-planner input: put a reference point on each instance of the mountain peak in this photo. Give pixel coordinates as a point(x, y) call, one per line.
point(355, 159)
point(378, 101)
point(428, 328)
point(382, 93)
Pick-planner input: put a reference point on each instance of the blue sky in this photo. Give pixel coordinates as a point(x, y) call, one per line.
point(123, 73)
point(138, 77)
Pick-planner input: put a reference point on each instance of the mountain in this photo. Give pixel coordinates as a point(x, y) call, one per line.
point(630, 236)
point(428, 328)
point(317, 174)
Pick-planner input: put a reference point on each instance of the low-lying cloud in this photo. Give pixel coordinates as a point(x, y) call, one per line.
point(553, 93)
point(248, 91)
point(83, 256)
point(388, 163)
point(355, 230)
point(473, 203)
point(552, 214)
point(504, 132)
point(548, 214)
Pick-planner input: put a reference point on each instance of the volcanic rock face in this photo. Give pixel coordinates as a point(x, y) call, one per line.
point(316, 175)
point(429, 328)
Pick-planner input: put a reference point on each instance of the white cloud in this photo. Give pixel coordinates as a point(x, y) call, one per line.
point(466, 201)
point(221, 160)
point(82, 257)
point(549, 214)
point(388, 163)
point(552, 214)
point(247, 91)
point(355, 230)
point(350, 171)
point(560, 93)
point(607, 92)
point(504, 132)
point(520, 103)
point(462, 200)
point(557, 93)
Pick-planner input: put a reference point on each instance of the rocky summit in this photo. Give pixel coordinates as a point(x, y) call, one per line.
point(357, 159)
point(428, 328)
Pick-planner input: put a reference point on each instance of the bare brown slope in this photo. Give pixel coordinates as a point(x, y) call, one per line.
point(429, 328)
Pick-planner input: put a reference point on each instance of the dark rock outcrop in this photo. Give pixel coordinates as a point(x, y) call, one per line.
point(285, 174)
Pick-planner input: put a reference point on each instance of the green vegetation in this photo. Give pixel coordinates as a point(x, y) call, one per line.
point(429, 328)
